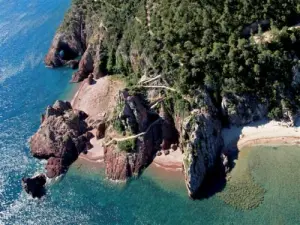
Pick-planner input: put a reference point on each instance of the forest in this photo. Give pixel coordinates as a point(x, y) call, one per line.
point(219, 45)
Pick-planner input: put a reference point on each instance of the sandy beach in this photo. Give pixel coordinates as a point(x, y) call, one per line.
point(98, 100)
point(261, 133)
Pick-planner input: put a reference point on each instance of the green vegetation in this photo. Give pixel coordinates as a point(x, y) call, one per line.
point(127, 145)
point(200, 43)
point(116, 120)
point(174, 102)
point(118, 126)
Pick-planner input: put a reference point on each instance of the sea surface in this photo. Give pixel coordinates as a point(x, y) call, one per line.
point(83, 196)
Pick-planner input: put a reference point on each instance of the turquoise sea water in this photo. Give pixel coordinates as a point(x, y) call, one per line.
point(84, 196)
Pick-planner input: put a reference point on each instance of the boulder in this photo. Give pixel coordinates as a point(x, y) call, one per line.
point(62, 106)
point(166, 152)
point(90, 79)
point(35, 186)
point(100, 133)
point(174, 147)
point(159, 153)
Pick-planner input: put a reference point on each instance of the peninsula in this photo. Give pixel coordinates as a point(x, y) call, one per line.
point(161, 79)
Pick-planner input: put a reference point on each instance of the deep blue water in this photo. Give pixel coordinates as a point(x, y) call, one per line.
point(83, 196)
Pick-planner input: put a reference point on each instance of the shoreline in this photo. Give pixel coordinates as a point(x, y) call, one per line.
point(277, 141)
point(97, 100)
point(261, 133)
point(93, 98)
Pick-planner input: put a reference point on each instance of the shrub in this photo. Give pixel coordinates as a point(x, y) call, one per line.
point(118, 126)
point(275, 113)
point(127, 145)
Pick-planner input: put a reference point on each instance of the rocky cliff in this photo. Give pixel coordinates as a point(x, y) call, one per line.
point(78, 37)
point(143, 132)
point(243, 109)
point(197, 76)
point(201, 142)
point(62, 135)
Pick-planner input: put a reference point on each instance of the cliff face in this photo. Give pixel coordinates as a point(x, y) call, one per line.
point(143, 130)
point(60, 138)
point(78, 37)
point(202, 143)
point(71, 41)
point(243, 109)
point(154, 48)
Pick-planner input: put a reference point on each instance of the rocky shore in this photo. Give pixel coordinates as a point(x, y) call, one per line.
point(127, 125)
point(67, 133)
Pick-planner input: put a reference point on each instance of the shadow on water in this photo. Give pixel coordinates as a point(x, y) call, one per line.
point(215, 180)
point(213, 183)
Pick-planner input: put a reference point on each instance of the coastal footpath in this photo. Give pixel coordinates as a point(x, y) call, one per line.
point(145, 97)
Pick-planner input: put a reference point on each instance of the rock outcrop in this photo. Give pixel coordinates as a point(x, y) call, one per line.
point(136, 118)
point(100, 133)
point(78, 36)
point(69, 41)
point(86, 66)
point(73, 64)
point(60, 138)
point(202, 143)
point(35, 186)
point(244, 109)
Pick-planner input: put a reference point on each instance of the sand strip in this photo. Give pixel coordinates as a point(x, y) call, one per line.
point(261, 133)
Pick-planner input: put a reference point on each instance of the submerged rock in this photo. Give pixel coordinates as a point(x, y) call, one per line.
point(35, 186)
point(61, 138)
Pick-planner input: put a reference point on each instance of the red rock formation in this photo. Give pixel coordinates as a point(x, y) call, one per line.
point(117, 165)
point(60, 138)
point(86, 66)
point(120, 164)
